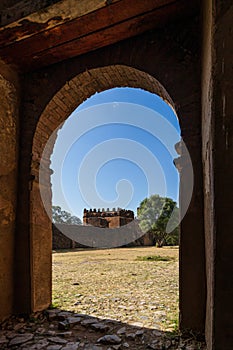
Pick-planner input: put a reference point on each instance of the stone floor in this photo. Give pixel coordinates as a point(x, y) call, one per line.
point(63, 330)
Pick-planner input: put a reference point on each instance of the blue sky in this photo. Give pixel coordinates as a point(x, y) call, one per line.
point(114, 150)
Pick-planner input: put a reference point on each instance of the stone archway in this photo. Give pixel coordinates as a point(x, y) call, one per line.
point(56, 112)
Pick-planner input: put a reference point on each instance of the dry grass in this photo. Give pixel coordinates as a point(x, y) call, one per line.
point(118, 284)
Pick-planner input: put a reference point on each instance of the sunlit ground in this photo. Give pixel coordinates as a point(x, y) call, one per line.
point(119, 284)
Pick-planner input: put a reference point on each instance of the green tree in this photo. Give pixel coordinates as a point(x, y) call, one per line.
point(154, 213)
point(60, 216)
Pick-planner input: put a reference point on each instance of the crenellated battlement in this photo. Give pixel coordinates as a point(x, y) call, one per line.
point(108, 212)
point(107, 218)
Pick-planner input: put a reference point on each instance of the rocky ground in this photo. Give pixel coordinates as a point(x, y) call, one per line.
point(63, 330)
point(106, 300)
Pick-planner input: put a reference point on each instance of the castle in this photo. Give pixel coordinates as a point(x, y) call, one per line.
point(107, 218)
point(112, 219)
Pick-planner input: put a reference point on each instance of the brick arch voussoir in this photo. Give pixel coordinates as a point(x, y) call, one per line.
point(76, 91)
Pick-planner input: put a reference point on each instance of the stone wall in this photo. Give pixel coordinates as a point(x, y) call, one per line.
point(217, 131)
point(61, 241)
point(9, 106)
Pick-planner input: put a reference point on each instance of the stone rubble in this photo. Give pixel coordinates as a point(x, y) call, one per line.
point(62, 330)
point(109, 339)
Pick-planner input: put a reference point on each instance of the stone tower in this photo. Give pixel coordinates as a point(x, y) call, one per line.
point(107, 218)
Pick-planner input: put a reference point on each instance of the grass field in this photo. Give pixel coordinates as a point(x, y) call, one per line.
point(133, 285)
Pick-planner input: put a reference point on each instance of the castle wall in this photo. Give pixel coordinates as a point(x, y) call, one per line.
point(61, 241)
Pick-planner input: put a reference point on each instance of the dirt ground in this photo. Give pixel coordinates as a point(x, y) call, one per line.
point(106, 300)
point(115, 284)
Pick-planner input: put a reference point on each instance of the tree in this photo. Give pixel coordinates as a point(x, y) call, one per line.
point(154, 213)
point(60, 216)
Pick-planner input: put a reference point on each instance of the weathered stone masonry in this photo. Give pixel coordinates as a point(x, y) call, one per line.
point(108, 218)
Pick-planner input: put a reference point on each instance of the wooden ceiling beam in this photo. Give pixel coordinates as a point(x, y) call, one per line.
point(121, 20)
point(49, 19)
